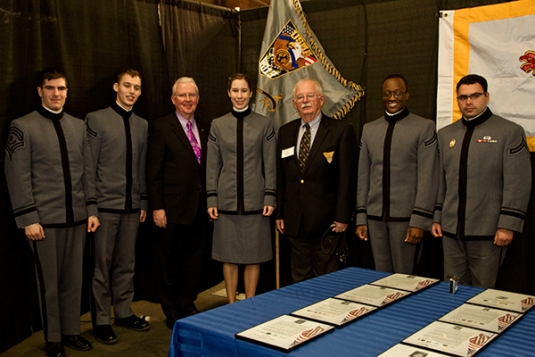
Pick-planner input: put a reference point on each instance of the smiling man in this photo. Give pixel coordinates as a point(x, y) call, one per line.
point(484, 190)
point(118, 140)
point(52, 189)
point(176, 180)
point(397, 180)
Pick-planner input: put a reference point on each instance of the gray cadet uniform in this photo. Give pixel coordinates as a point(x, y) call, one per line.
point(397, 185)
point(118, 141)
point(51, 182)
point(241, 179)
point(485, 183)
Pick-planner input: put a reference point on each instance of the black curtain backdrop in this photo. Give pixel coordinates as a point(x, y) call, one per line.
point(201, 41)
point(92, 40)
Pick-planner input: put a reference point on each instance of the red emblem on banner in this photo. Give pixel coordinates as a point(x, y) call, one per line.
point(528, 60)
point(288, 52)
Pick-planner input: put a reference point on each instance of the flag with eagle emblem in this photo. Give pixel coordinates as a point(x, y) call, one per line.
point(290, 52)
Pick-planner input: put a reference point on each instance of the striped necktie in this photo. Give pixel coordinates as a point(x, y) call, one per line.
point(193, 141)
point(304, 148)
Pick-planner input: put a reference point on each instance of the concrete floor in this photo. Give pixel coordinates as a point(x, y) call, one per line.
point(154, 342)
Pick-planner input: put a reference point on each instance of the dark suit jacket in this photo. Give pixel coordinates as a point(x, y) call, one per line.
point(173, 173)
point(325, 192)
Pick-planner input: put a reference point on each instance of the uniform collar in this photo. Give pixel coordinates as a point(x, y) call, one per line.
point(121, 111)
point(49, 114)
point(242, 114)
point(397, 116)
point(479, 120)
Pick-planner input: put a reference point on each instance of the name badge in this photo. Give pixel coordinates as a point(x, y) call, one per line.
point(288, 152)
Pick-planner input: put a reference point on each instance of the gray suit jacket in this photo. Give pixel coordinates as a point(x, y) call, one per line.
point(49, 171)
point(406, 188)
point(487, 185)
point(241, 176)
point(118, 159)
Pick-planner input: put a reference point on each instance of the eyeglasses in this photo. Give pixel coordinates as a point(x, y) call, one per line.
point(397, 94)
point(309, 96)
point(473, 96)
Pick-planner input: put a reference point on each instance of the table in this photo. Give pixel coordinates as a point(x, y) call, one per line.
point(211, 333)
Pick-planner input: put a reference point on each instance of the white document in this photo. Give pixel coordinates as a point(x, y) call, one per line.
point(284, 332)
point(481, 317)
point(405, 282)
point(453, 339)
point(334, 311)
point(401, 350)
point(504, 300)
point(373, 295)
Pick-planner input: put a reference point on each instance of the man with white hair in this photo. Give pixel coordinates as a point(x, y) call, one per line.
point(176, 176)
point(317, 174)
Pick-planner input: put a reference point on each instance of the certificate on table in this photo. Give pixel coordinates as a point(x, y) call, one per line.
point(401, 350)
point(504, 300)
point(334, 311)
point(452, 339)
point(284, 332)
point(405, 282)
point(481, 317)
point(373, 295)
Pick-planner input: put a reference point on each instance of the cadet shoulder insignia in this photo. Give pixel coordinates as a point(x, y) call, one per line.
point(15, 141)
point(90, 132)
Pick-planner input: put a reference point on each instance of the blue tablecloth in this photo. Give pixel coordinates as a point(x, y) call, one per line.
point(211, 333)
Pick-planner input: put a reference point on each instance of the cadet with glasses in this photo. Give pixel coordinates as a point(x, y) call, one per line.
point(485, 183)
point(397, 180)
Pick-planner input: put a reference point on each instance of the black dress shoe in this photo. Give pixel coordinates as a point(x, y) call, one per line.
point(54, 349)
point(104, 334)
point(76, 342)
point(170, 321)
point(191, 312)
point(133, 323)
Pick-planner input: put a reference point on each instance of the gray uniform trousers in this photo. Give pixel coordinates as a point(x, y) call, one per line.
point(58, 265)
point(390, 252)
point(114, 251)
point(474, 262)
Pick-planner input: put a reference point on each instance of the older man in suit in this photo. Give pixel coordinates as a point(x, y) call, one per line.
point(317, 158)
point(176, 171)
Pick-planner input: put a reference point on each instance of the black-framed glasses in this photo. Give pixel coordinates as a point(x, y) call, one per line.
point(397, 94)
point(473, 96)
